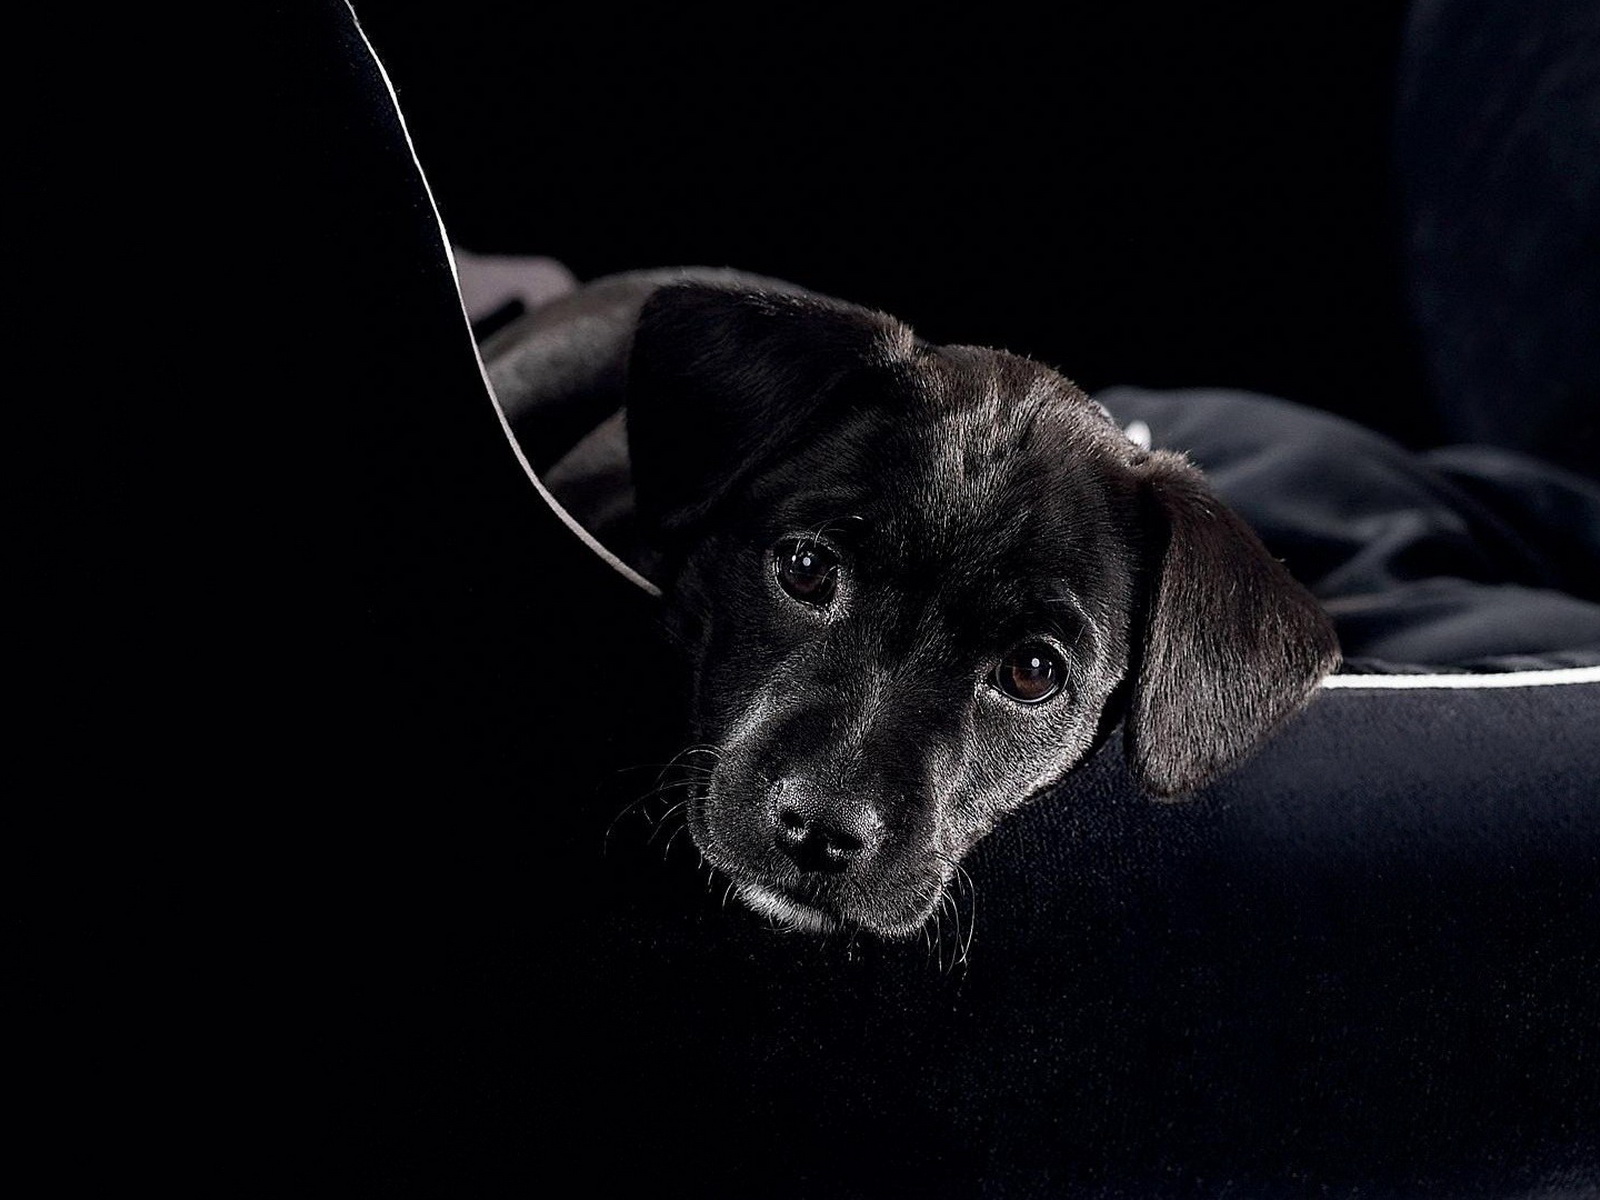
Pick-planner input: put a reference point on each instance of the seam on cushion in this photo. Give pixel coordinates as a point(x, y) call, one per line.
point(1489, 679)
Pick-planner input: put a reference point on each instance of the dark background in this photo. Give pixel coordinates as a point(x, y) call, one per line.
point(1338, 981)
point(1170, 195)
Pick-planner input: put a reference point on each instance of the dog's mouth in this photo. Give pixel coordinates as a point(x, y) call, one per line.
point(788, 911)
point(785, 911)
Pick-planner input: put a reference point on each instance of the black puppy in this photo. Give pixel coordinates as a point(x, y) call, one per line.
point(917, 583)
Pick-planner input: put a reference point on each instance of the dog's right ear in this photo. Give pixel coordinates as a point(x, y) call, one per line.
point(1232, 645)
point(722, 379)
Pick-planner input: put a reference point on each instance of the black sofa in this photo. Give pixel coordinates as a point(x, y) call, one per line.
point(1365, 964)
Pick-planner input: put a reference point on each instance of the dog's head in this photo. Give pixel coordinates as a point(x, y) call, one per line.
point(920, 583)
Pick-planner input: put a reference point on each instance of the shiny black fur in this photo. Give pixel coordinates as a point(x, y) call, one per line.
point(974, 499)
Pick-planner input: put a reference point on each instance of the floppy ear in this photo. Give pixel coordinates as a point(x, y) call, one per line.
point(1232, 645)
point(722, 379)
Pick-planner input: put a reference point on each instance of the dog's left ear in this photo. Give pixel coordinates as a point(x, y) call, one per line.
point(1232, 645)
point(722, 379)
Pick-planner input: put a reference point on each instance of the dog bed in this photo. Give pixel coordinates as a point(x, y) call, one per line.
point(1364, 963)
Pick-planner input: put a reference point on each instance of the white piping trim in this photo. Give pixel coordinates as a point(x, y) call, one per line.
point(1499, 679)
point(1504, 679)
point(567, 518)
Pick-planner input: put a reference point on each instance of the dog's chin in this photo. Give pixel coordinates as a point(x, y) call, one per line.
point(784, 911)
point(791, 914)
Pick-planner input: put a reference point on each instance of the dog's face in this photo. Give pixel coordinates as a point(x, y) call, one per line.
point(918, 584)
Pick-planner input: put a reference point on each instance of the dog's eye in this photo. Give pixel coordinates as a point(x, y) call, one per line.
point(1030, 673)
point(808, 571)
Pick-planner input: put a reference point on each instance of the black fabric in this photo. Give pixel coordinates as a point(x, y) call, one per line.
point(1460, 557)
point(1362, 965)
point(1497, 145)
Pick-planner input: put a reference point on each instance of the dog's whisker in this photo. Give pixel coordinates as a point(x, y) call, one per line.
point(677, 762)
point(687, 793)
point(958, 953)
point(687, 771)
point(644, 803)
point(663, 793)
point(972, 923)
point(964, 884)
point(635, 806)
point(660, 766)
point(944, 907)
point(661, 821)
point(697, 779)
point(817, 532)
point(955, 942)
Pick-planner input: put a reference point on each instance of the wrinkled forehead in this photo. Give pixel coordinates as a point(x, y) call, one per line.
point(968, 458)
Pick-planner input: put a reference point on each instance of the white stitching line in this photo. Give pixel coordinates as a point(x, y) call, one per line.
point(567, 518)
point(1500, 679)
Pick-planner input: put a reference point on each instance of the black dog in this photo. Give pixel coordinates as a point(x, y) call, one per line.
point(917, 583)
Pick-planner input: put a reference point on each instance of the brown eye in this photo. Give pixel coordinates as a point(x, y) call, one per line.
point(808, 571)
point(1030, 673)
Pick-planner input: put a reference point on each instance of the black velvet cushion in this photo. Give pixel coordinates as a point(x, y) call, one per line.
point(1468, 556)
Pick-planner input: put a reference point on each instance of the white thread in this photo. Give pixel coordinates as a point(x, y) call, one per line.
point(1497, 679)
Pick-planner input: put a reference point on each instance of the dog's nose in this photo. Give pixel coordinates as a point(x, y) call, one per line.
point(827, 836)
